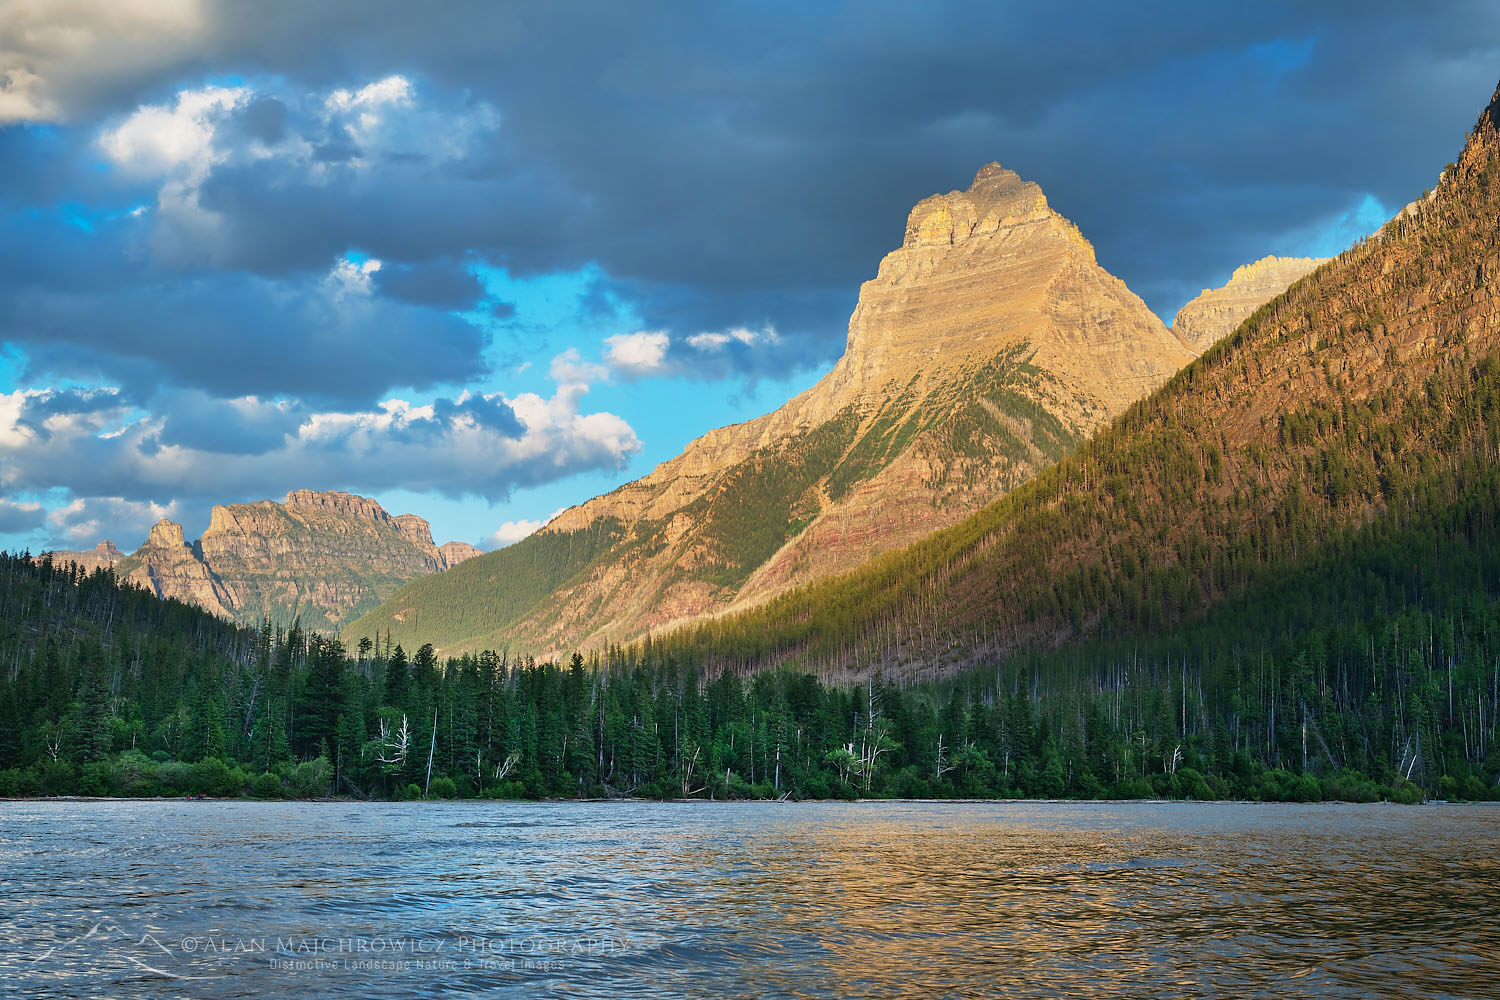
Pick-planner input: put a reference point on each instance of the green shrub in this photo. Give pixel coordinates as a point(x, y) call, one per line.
point(266, 786)
point(134, 774)
point(1405, 793)
point(311, 779)
point(505, 790)
point(175, 777)
point(211, 776)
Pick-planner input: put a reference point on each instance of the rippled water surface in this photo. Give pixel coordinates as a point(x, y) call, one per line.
point(230, 899)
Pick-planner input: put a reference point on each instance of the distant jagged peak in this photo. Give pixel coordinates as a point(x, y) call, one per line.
point(1274, 267)
point(103, 555)
point(1215, 312)
point(166, 534)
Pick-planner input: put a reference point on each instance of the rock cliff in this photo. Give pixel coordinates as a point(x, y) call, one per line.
point(321, 555)
point(1217, 311)
point(168, 567)
point(453, 553)
point(984, 347)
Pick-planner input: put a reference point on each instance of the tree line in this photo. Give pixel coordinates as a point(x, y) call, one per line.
point(109, 691)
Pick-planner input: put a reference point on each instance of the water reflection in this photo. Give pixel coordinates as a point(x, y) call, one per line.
point(661, 900)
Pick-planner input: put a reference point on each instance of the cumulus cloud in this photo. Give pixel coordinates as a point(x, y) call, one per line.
point(162, 139)
point(478, 445)
point(569, 368)
point(716, 342)
point(511, 532)
point(84, 522)
point(708, 355)
point(635, 355)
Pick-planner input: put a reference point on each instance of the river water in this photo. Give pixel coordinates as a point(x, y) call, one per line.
point(245, 899)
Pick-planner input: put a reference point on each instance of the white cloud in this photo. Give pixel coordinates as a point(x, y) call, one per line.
point(569, 367)
point(391, 90)
point(327, 137)
point(102, 450)
point(511, 532)
point(637, 354)
point(717, 341)
point(351, 278)
point(125, 522)
point(176, 139)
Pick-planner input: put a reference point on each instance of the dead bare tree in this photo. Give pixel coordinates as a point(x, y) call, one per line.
point(502, 770)
point(394, 748)
point(940, 764)
point(689, 766)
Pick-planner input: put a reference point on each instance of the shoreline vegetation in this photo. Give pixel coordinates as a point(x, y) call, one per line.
point(107, 691)
point(632, 800)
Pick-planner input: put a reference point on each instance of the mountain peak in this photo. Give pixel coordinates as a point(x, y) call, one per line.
point(166, 534)
point(996, 199)
point(985, 345)
point(1272, 265)
point(415, 528)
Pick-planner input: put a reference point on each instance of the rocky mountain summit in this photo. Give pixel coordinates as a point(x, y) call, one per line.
point(1217, 311)
point(324, 556)
point(985, 346)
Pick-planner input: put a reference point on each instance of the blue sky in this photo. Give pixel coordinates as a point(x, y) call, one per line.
point(486, 260)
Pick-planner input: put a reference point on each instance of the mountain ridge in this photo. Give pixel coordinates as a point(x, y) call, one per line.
point(321, 554)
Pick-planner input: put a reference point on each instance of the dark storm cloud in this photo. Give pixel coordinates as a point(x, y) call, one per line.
point(227, 333)
point(264, 119)
point(739, 165)
point(18, 518)
point(763, 158)
point(442, 285)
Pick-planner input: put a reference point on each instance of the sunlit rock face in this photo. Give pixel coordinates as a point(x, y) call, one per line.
point(1217, 311)
point(322, 556)
point(985, 346)
point(168, 567)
